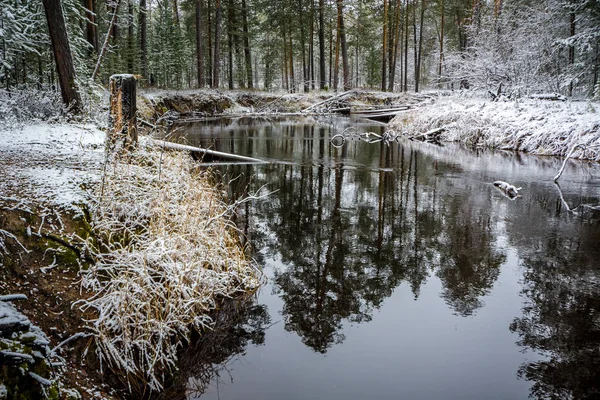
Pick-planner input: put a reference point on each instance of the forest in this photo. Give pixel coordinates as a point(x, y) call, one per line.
point(304, 45)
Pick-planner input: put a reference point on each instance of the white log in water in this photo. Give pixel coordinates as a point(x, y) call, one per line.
point(217, 154)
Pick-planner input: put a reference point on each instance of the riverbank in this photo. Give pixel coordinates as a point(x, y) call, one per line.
point(81, 235)
point(541, 127)
point(44, 220)
point(153, 104)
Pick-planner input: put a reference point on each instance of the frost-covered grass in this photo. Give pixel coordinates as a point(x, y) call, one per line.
point(166, 255)
point(534, 126)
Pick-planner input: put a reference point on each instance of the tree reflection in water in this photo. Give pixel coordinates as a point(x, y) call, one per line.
point(561, 319)
point(348, 226)
point(351, 224)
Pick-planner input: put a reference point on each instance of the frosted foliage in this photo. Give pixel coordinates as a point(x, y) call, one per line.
point(22, 30)
point(177, 256)
point(527, 47)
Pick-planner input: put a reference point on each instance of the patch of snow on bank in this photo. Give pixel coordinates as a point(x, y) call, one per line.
point(535, 126)
point(50, 163)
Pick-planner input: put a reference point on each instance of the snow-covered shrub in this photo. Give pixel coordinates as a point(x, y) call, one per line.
point(26, 105)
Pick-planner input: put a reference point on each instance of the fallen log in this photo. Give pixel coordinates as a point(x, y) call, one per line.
point(343, 110)
point(548, 96)
point(205, 152)
point(327, 100)
point(429, 136)
point(380, 110)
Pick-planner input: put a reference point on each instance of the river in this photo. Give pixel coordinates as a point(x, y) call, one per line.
point(400, 271)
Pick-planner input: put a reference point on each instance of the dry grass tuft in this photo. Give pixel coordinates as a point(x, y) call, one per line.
point(166, 254)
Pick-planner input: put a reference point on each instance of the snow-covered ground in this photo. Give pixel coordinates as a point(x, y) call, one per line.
point(50, 163)
point(540, 127)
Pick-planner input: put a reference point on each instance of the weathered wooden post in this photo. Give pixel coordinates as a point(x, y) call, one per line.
point(122, 119)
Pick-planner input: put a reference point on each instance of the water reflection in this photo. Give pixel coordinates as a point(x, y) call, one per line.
point(236, 325)
point(349, 226)
point(561, 318)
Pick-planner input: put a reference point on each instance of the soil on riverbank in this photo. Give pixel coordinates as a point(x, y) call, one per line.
point(44, 221)
point(206, 102)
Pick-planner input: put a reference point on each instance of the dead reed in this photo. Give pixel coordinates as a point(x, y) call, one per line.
point(166, 254)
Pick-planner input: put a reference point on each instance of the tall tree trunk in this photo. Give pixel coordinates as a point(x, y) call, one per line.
point(415, 41)
point(285, 78)
point(130, 38)
point(247, 55)
point(385, 43)
point(476, 13)
point(391, 35)
point(91, 31)
point(405, 87)
point(305, 72)
point(400, 51)
point(217, 53)
point(322, 44)
point(62, 54)
point(209, 66)
point(291, 55)
point(396, 46)
point(345, 65)
point(571, 47)
point(336, 70)
point(199, 44)
point(311, 47)
point(143, 38)
point(420, 50)
point(356, 50)
point(441, 63)
point(230, 44)
point(176, 13)
point(596, 77)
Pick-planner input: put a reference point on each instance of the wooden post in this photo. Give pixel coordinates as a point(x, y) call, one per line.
point(122, 119)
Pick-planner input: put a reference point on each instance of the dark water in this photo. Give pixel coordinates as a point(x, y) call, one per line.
point(401, 272)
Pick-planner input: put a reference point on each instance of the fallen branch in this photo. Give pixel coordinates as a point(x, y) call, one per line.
point(105, 45)
point(429, 136)
point(567, 159)
point(508, 190)
point(214, 153)
point(327, 100)
point(69, 339)
point(144, 122)
point(548, 96)
point(13, 297)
